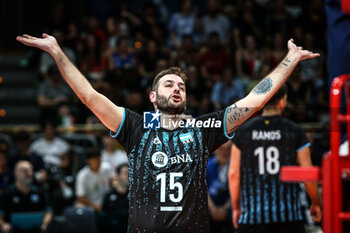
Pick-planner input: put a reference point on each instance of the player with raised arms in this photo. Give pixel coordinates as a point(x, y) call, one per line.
point(167, 165)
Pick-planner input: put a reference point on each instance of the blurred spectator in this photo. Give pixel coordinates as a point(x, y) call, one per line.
point(147, 61)
point(123, 58)
point(195, 89)
point(182, 23)
point(186, 54)
point(226, 91)
point(246, 23)
point(6, 175)
point(50, 147)
point(215, 21)
point(116, 203)
point(150, 22)
point(24, 207)
point(92, 181)
point(128, 17)
point(299, 95)
point(312, 70)
point(214, 59)
point(278, 50)
point(93, 61)
point(113, 155)
point(95, 29)
point(279, 20)
point(46, 60)
point(74, 39)
point(218, 193)
point(52, 92)
point(248, 59)
point(65, 116)
point(313, 19)
point(112, 31)
point(61, 184)
point(22, 142)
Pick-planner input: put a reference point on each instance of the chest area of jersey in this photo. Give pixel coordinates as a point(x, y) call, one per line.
point(171, 150)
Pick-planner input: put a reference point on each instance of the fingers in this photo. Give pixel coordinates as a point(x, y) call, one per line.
point(235, 223)
point(45, 35)
point(28, 36)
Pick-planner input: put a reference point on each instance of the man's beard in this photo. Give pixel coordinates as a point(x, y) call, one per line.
point(164, 105)
point(26, 181)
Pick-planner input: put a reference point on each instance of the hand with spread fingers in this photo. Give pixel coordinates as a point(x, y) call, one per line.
point(299, 51)
point(47, 43)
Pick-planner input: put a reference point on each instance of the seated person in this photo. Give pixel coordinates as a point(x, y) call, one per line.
point(22, 143)
point(116, 203)
point(23, 200)
point(50, 147)
point(92, 181)
point(113, 155)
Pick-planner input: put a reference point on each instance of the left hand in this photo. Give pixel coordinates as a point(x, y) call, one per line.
point(300, 52)
point(316, 213)
point(44, 227)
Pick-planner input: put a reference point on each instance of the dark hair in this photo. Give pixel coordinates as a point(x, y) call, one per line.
point(173, 70)
point(92, 153)
point(119, 168)
point(278, 96)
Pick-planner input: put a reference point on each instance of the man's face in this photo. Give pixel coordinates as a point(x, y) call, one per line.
point(94, 163)
point(171, 95)
point(24, 173)
point(123, 175)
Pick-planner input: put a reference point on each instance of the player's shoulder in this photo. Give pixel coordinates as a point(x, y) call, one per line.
point(251, 123)
point(293, 126)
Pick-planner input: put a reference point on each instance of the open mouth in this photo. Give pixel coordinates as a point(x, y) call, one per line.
point(176, 98)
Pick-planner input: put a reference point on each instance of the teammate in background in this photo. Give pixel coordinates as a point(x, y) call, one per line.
point(260, 201)
point(168, 192)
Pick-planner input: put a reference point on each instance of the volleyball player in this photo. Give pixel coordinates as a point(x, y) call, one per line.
point(260, 201)
point(167, 165)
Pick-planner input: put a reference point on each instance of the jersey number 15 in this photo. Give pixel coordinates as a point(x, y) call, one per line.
point(172, 186)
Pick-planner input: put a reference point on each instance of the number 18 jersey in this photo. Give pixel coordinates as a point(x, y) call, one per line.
point(167, 174)
point(267, 144)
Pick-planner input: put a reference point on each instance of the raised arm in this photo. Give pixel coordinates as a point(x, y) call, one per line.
point(110, 114)
point(240, 111)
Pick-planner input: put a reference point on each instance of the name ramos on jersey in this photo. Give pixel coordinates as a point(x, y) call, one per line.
point(262, 135)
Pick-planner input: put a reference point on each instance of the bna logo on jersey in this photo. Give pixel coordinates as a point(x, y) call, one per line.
point(159, 159)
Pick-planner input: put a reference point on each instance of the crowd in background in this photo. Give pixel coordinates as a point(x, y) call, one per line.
point(225, 47)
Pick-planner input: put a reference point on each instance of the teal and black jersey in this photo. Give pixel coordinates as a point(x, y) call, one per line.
point(167, 174)
point(267, 144)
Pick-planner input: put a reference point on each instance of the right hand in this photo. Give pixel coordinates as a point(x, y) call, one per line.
point(316, 213)
point(235, 217)
point(6, 227)
point(47, 43)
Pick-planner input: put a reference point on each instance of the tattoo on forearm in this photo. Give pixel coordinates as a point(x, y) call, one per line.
point(263, 86)
point(236, 115)
point(230, 108)
point(285, 62)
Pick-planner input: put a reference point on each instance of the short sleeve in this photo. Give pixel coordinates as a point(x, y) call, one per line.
point(301, 141)
point(237, 140)
point(215, 135)
point(129, 129)
point(79, 185)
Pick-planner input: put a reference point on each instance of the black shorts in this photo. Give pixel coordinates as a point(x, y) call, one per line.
point(283, 227)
